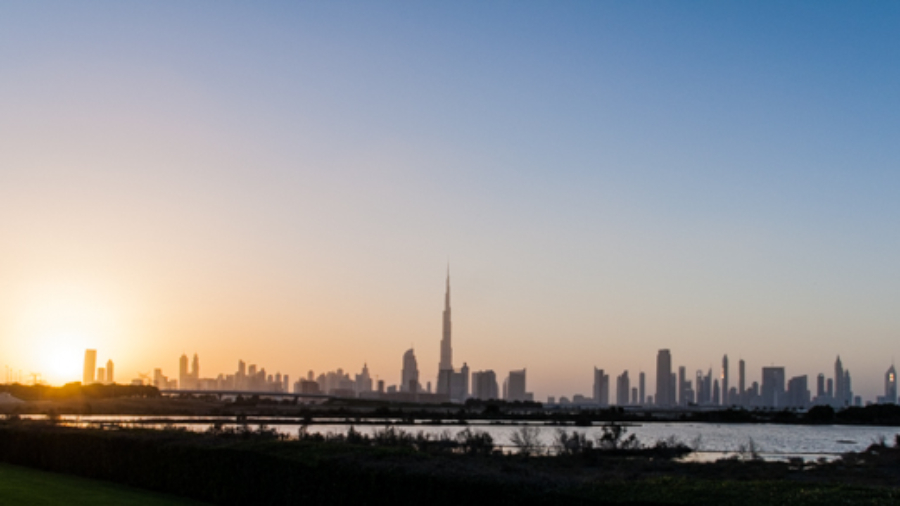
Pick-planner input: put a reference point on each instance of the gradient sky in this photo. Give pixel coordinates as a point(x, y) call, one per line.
point(284, 182)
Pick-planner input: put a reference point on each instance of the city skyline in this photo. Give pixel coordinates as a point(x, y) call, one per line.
point(672, 389)
point(673, 383)
point(283, 184)
point(772, 390)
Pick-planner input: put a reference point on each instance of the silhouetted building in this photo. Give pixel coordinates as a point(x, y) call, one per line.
point(484, 385)
point(664, 385)
point(689, 394)
point(704, 388)
point(797, 393)
point(110, 372)
point(410, 373)
point(742, 395)
point(839, 389)
point(446, 364)
point(363, 381)
point(601, 387)
point(641, 388)
point(303, 386)
point(90, 366)
point(184, 375)
point(753, 397)
point(682, 386)
point(623, 387)
point(514, 387)
point(162, 382)
point(890, 386)
point(773, 387)
point(725, 400)
point(847, 399)
point(459, 384)
point(240, 379)
point(673, 388)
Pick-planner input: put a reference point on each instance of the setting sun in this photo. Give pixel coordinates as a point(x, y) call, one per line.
point(61, 358)
point(55, 323)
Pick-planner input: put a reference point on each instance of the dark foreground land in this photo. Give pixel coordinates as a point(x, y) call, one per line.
point(256, 466)
point(22, 485)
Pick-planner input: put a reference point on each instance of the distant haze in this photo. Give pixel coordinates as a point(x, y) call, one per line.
point(284, 183)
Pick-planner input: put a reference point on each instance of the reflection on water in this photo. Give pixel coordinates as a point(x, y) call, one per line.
point(771, 441)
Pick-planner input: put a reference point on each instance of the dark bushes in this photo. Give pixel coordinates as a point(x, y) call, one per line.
point(228, 468)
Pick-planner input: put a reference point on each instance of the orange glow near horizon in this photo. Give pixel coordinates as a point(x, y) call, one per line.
point(55, 323)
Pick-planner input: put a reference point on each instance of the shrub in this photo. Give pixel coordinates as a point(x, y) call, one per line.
point(475, 442)
point(571, 444)
point(527, 440)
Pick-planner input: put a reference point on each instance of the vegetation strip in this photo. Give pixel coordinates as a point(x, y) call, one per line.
point(21, 485)
point(392, 466)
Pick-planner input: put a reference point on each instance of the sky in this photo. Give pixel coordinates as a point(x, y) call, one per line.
point(286, 182)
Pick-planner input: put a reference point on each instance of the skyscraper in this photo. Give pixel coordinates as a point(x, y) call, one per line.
point(110, 378)
point(741, 386)
point(90, 365)
point(195, 369)
point(839, 381)
point(184, 381)
point(725, 400)
point(515, 386)
point(890, 385)
point(704, 387)
point(682, 386)
point(797, 395)
point(623, 388)
point(446, 364)
point(663, 378)
point(363, 381)
point(410, 373)
point(773, 394)
point(848, 389)
point(459, 384)
point(642, 397)
point(601, 387)
point(484, 385)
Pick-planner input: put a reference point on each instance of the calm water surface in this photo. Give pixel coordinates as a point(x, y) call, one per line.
point(772, 441)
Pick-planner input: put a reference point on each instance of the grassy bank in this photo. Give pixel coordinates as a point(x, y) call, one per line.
point(22, 485)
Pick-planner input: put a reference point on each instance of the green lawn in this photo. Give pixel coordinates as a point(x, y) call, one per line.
point(23, 485)
point(740, 493)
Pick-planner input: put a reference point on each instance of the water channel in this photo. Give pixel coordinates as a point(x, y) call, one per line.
point(711, 441)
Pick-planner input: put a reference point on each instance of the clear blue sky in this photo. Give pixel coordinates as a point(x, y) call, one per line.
point(284, 182)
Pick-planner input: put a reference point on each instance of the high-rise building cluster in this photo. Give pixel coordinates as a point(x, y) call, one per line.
point(93, 374)
point(675, 386)
point(246, 378)
point(451, 384)
point(677, 390)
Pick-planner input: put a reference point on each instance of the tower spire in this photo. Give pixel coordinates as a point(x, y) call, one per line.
point(445, 368)
point(447, 295)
